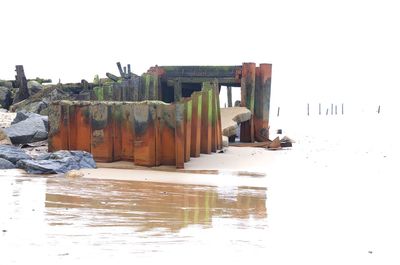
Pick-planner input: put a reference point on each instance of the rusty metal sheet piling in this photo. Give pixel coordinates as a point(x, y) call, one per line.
point(117, 130)
point(145, 119)
point(127, 132)
point(195, 138)
point(262, 102)
point(79, 126)
point(167, 144)
point(59, 126)
point(187, 126)
point(179, 135)
point(247, 100)
point(206, 117)
point(102, 132)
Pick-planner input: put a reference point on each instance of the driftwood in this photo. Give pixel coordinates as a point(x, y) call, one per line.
point(22, 84)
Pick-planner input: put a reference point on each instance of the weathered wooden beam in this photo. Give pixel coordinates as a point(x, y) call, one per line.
point(229, 94)
point(262, 102)
point(121, 72)
point(201, 71)
point(247, 100)
point(21, 83)
point(112, 77)
point(177, 89)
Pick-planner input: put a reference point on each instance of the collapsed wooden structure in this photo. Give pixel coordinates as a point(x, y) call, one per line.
point(164, 117)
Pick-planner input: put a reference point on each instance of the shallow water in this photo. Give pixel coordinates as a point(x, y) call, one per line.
point(79, 220)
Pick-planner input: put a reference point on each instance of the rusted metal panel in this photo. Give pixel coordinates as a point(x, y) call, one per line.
point(187, 127)
point(145, 119)
point(247, 100)
point(167, 145)
point(102, 131)
point(262, 102)
point(117, 130)
point(214, 119)
point(79, 126)
point(127, 132)
point(59, 126)
point(206, 117)
point(179, 134)
point(196, 124)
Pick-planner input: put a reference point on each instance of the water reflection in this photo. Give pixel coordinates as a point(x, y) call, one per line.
point(149, 205)
point(78, 219)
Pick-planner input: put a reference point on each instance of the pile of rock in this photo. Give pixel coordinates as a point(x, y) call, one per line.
point(48, 163)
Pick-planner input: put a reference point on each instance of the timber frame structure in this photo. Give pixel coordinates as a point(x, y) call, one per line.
point(163, 117)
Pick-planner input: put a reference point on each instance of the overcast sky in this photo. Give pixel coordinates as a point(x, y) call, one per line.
point(320, 50)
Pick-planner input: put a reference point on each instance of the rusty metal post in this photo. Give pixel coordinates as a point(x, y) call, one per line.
point(196, 124)
point(127, 132)
point(247, 100)
point(145, 119)
point(206, 116)
point(262, 102)
point(79, 126)
point(102, 132)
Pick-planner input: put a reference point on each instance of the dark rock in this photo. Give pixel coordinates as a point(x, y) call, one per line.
point(27, 131)
point(5, 97)
point(34, 87)
point(5, 164)
point(12, 153)
point(7, 84)
point(23, 115)
point(58, 162)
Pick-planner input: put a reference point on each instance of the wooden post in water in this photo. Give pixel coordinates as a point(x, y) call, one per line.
point(327, 111)
point(335, 109)
point(229, 94)
point(331, 109)
point(279, 108)
point(319, 108)
point(379, 109)
point(308, 109)
point(342, 108)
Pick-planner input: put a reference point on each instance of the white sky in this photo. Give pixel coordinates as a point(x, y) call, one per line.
point(328, 51)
